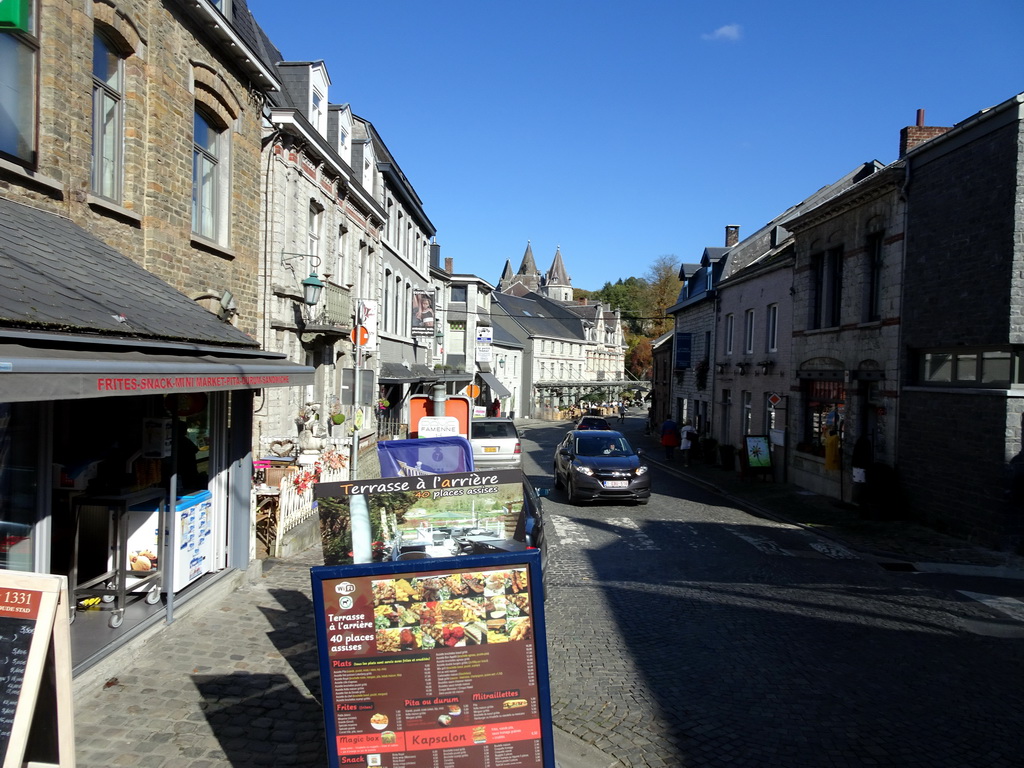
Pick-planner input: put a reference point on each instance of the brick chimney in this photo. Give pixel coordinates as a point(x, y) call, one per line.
point(913, 135)
point(732, 235)
point(449, 264)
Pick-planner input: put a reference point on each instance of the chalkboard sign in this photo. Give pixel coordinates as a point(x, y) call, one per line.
point(34, 643)
point(435, 662)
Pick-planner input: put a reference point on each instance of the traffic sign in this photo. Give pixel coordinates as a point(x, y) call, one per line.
point(774, 399)
point(472, 390)
point(360, 336)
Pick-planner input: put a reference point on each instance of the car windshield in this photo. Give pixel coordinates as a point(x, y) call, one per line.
point(602, 446)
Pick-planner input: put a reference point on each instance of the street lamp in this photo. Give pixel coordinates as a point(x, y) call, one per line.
point(312, 286)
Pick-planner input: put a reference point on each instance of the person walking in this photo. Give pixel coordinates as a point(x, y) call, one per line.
point(669, 437)
point(687, 441)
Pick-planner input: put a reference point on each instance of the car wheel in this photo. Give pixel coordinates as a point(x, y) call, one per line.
point(558, 478)
point(571, 492)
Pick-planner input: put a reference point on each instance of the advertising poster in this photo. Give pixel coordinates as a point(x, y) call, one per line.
point(758, 454)
point(423, 512)
point(435, 662)
point(422, 313)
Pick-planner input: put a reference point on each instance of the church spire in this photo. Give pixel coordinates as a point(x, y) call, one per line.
point(529, 266)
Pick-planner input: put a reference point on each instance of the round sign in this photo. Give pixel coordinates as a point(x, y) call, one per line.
point(473, 390)
point(360, 336)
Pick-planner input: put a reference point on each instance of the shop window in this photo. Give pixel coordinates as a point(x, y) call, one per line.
point(19, 446)
point(823, 413)
point(18, 85)
point(748, 412)
point(107, 119)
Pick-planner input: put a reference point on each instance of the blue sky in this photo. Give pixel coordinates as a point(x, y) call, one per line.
point(622, 132)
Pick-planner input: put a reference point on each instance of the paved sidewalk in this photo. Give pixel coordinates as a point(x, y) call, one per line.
point(233, 683)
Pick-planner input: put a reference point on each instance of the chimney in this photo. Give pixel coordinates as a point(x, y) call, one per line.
point(732, 235)
point(449, 264)
point(435, 254)
point(913, 135)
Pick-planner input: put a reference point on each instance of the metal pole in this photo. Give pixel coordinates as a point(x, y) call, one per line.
point(359, 511)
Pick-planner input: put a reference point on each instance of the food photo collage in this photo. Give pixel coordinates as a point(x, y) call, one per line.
point(460, 609)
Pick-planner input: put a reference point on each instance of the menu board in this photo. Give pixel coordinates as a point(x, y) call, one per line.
point(18, 612)
point(34, 644)
point(435, 663)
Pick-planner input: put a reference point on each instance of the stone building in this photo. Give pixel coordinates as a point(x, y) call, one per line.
point(130, 180)
point(323, 227)
point(848, 279)
point(959, 445)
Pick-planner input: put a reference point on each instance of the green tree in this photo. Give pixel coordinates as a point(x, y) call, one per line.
point(663, 289)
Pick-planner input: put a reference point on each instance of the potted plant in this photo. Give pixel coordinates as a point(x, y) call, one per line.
point(334, 408)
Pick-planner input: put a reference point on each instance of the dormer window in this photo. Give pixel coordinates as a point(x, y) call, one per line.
point(316, 116)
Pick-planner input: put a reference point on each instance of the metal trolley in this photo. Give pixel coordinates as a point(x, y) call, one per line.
point(120, 580)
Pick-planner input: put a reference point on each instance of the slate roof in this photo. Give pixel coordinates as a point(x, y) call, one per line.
point(557, 274)
point(540, 317)
point(57, 277)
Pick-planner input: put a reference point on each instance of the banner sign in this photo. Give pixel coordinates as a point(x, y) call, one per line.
point(421, 512)
point(422, 313)
point(684, 350)
point(435, 662)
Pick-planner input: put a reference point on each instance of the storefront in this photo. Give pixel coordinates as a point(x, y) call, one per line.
point(127, 467)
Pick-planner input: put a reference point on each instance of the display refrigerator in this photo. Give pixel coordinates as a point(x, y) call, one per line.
point(189, 540)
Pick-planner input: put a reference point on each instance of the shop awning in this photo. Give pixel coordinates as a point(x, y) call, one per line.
point(496, 386)
point(32, 373)
point(398, 372)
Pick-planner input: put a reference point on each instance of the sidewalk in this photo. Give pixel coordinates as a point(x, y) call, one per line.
point(886, 540)
point(234, 682)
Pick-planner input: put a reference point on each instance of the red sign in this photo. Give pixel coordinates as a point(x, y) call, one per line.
point(360, 336)
point(774, 399)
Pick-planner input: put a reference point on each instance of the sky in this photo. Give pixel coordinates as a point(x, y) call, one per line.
point(621, 132)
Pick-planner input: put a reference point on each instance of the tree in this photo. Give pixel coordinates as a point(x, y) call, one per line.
point(640, 357)
point(663, 290)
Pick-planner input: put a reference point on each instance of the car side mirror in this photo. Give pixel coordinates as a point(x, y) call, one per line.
point(639, 451)
point(543, 492)
point(563, 452)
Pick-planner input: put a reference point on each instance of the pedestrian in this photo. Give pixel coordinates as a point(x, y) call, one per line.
point(687, 441)
point(622, 413)
point(669, 437)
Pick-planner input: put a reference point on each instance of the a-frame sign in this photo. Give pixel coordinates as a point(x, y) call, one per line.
point(36, 709)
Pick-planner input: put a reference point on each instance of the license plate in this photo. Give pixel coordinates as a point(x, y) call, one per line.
point(490, 449)
point(616, 483)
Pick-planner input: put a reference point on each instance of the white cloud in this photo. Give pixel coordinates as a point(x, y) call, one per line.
point(730, 32)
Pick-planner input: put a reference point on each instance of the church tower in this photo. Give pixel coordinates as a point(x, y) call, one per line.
point(557, 284)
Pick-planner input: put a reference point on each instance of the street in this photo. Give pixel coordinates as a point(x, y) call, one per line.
point(689, 633)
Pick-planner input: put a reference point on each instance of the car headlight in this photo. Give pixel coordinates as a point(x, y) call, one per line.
point(640, 470)
point(583, 470)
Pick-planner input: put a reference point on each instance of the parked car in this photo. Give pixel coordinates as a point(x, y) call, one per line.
point(496, 443)
point(593, 422)
point(592, 464)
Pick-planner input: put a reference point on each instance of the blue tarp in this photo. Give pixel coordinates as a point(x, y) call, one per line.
point(426, 456)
